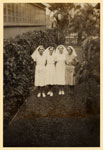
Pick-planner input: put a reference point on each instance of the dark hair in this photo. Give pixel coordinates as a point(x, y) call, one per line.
point(51, 47)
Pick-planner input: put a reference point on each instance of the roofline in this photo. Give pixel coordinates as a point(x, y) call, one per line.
point(40, 5)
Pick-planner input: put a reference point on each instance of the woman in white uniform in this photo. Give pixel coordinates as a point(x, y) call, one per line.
point(39, 57)
point(50, 69)
point(71, 62)
point(60, 68)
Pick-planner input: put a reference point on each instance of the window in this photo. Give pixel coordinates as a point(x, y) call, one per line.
point(23, 14)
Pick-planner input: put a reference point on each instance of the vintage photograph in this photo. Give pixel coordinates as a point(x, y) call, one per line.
point(51, 74)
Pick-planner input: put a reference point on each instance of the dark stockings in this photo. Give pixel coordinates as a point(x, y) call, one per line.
point(41, 89)
point(71, 89)
point(50, 87)
point(61, 87)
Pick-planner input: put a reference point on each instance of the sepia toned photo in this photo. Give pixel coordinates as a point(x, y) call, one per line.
point(51, 74)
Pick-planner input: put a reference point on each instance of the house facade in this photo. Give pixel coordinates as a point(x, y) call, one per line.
point(23, 17)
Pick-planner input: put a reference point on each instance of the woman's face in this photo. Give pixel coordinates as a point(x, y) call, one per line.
point(69, 50)
point(41, 50)
point(51, 49)
point(60, 50)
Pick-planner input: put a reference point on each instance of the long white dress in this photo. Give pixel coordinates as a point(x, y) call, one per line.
point(50, 69)
point(60, 69)
point(40, 69)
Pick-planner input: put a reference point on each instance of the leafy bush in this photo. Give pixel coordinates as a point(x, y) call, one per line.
point(18, 66)
point(91, 48)
point(89, 72)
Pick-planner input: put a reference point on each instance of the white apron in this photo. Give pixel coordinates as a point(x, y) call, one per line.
point(40, 69)
point(50, 70)
point(60, 69)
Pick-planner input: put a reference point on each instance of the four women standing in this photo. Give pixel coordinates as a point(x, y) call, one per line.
point(54, 67)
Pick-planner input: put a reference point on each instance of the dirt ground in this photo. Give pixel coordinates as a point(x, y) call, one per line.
point(58, 121)
point(61, 121)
